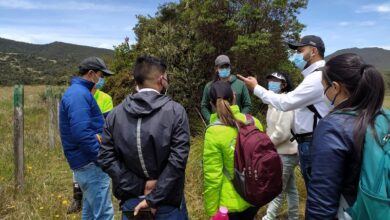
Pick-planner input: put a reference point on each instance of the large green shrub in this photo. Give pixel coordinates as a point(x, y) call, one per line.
point(189, 35)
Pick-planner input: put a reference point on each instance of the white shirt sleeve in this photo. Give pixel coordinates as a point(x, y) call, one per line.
point(305, 94)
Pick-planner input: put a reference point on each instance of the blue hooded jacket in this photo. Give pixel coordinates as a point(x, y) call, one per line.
point(80, 122)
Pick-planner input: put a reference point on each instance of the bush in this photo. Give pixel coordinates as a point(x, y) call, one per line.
point(190, 34)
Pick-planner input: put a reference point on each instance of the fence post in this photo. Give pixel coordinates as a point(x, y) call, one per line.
point(58, 99)
point(19, 136)
point(50, 111)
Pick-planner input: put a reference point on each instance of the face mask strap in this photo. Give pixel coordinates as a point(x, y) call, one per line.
point(327, 88)
point(334, 99)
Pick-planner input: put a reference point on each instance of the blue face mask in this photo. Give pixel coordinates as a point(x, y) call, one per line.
point(100, 83)
point(224, 73)
point(298, 60)
point(274, 86)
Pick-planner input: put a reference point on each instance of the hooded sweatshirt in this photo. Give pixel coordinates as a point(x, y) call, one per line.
point(146, 137)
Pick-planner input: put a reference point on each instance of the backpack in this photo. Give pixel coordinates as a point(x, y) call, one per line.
point(373, 197)
point(257, 166)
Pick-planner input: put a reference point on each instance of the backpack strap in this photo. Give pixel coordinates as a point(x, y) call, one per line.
point(383, 163)
point(249, 120)
point(217, 122)
point(226, 173)
point(317, 116)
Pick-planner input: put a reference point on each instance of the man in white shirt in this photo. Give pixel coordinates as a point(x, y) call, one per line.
point(306, 100)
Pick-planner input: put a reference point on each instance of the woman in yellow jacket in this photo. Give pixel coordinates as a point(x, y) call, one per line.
point(218, 155)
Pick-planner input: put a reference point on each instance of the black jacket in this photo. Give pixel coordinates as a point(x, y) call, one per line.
point(146, 137)
point(335, 167)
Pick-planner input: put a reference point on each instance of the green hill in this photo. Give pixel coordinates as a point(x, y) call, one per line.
point(52, 63)
point(378, 57)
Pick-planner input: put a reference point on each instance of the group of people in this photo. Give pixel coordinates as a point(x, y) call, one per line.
point(144, 143)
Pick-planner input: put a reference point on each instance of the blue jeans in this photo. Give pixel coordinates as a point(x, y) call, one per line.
point(289, 188)
point(95, 185)
point(164, 212)
point(305, 161)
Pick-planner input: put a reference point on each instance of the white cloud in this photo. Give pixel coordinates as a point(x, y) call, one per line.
point(16, 4)
point(106, 45)
point(380, 8)
point(361, 23)
point(66, 5)
point(17, 37)
point(344, 23)
point(367, 23)
point(386, 47)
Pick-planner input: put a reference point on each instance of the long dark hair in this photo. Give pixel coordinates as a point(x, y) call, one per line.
point(221, 95)
point(367, 89)
point(289, 84)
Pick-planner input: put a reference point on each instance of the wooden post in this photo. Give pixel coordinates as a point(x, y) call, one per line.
point(58, 99)
point(18, 136)
point(50, 111)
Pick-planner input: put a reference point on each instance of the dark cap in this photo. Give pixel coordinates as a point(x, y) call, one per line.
point(94, 63)
point(221, 60)
point(309, 40)
point(221, 89)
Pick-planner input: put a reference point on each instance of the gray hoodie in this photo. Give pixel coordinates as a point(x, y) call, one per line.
point(146, 137)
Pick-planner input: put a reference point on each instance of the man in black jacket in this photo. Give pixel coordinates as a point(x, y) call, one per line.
point(145, 146)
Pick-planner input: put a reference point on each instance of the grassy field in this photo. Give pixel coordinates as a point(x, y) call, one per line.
point(48, 179)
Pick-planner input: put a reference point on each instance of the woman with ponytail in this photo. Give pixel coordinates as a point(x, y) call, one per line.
point(355, 91)
point(218, 155)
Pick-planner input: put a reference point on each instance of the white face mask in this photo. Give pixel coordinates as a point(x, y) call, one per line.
point(327, 101)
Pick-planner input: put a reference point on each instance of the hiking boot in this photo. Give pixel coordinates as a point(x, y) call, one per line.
point(75, 207)
point(76, 204)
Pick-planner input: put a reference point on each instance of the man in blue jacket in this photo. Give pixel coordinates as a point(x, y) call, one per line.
point(81, 123)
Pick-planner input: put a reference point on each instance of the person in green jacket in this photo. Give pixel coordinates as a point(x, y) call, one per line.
point(218, 155)
point(222, 72)
point(105, 104)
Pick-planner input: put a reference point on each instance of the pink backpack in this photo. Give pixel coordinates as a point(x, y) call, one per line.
point(257, 166)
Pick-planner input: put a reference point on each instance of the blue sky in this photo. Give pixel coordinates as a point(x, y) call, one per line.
point(348, 23)
point(105, 23)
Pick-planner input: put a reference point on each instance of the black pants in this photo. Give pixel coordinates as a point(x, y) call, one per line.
point(247, 214)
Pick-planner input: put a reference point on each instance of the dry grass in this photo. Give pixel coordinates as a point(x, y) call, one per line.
point(387, 100)
point(48, 179)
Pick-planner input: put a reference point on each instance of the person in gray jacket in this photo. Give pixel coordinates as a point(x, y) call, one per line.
point(145, 146)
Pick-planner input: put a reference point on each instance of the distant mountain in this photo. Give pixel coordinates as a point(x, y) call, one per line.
point(52, 63)
point(378, 57)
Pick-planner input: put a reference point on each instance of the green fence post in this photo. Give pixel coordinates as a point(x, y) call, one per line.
point(50, 110)
point(19, 136)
